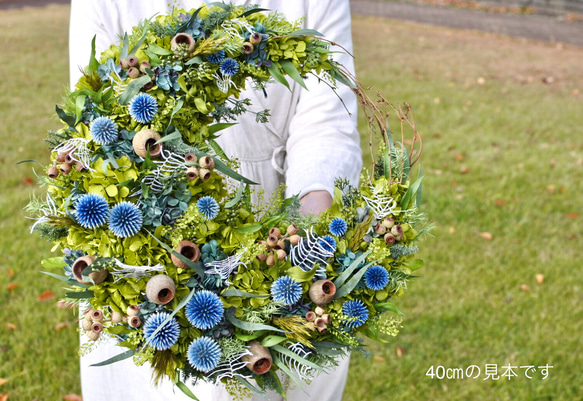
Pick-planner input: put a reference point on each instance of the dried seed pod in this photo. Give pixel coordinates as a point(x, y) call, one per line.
point(97, 315)
point(81, 264)
point(160, 289)
point(144, 65)
point(292, 229)
point(190, 157)
point(275, 231)
point(295, 239)
point(270, 260)
point(65, 168)
point(272, 241)
point(280, 244)
point(262, 257)
point(134, 72)
point(53, 172)
point(260, 361)
point(116, 317)
point(281, 254)
point(187, 249)
point(206, 162)
point(310, 316)
point(319, 310)
point(320, 322)
point(255, 38)
point(134, 322)
point(80, 167)
point(93, 336)
point(182, 39)
point(69, 158)
point(389, 238)
point(327, 318)
point(133, 61)
point(380, 229)
point(388, 222)
point(247, 48)
point(322, 330)
point(97, 327)
point(397, 231)
point(86, 324)
point(124, 63)
point(61, 156)
point(322, 292)
point(87, 314)
point(133, 310)
point(192, 173)
point(205, 174)
point(145, 141)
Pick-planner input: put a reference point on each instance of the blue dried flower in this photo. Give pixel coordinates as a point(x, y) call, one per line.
point(143, 108)
point(204, 310)
point(286, 290)
point(376, 278)
point(338, 227)
point(356, 312)
point(216, 58)
point(103, 131)
point(125, 219)
point(229, 67)
point(167, 336)
point(204, 354)
point(208, 207)
point(92, 211)
point(328, 243)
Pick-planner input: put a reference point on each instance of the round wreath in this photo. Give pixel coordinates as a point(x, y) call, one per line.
point(189, 276)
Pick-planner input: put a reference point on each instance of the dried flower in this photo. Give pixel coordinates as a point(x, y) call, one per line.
point(92, 211)
point(338, 227)
point(103, 131)
point(376, 278)
point(125, 219)
point(286, 290)
point(166, 336)
point(143, 108)
point(204, 310)
point(204, 354)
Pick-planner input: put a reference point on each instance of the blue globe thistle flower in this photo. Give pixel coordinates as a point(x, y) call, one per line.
point(143, 108)
point(103, 130)
point(356, 312)
point(208, 207)
point(92, 211)
point(216, 58)
point(204, 354)
point(286, 290)
point(328, 243)
point(376, 278)
point(125, 219)
point(229, 67)
point(167, 336)
point(204, 310)
point(338, 227)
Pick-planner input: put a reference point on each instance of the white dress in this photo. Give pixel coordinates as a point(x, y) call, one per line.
point(309, 141)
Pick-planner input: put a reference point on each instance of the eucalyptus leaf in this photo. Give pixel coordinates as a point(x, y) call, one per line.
point(277, 75)
point(32, 161)
point(117, 358)
point(352, 283)
point(248, 326)
point(80, 295)
point(217, 149)
point(280, 364)
point(233, 292)
point(133, 89)
point(237, 197)
point(388, 307)
point(125, 47)
point(252, 336)
point(293, 355)
point(249, 386)
point(350, 269)
point(184, 388)
point(272, 340)
point(253, 11)
point(171, 137)
point(306, 31)
point(292, 71)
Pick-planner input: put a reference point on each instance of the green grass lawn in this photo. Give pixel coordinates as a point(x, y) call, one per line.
point(502, 154)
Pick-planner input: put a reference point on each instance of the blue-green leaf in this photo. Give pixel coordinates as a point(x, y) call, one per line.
point(133, 88)
point(277, 74)
point(117, 358)
point(306, 31)
point(233, 292)
point(248, 326)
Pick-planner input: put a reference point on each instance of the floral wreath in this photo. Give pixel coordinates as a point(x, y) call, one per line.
point(186, 275)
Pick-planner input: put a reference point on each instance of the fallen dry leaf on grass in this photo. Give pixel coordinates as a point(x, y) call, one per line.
point(3, 381)
point(573, 215)
point(499, 202)
point(3, 397)
point(46, 296)
point(62, 325)
point(11, 326)
point(12, 286)
point(10, 272)
point(525, 287)
point(486, 235)
point(399, 351)
point(379, 358)
point(72, 397)
point(540, 278)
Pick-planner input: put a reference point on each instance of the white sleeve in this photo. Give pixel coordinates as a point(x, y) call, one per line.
point(90, 18)
point(323, 141)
